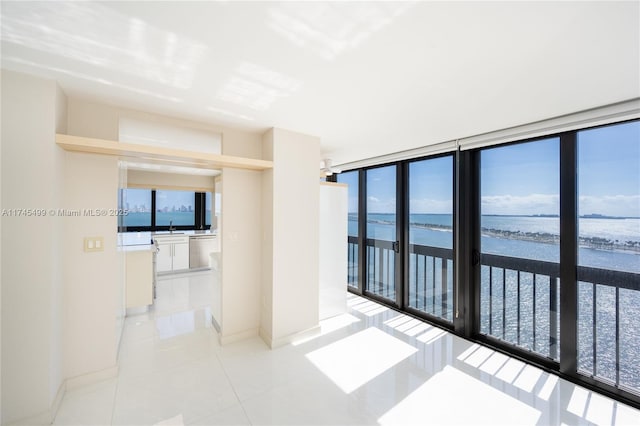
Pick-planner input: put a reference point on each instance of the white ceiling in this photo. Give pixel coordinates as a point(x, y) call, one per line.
point(368, 78)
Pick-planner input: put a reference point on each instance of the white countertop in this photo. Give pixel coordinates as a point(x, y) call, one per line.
point(142, 247)
point(144, 238)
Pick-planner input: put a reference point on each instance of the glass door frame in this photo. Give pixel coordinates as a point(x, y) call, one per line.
point(466, 246)
point(566, 293)
point(405, 249)
point(399, 268)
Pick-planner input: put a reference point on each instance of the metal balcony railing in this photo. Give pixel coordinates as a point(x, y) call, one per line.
point(609, 326)
point(431, 280)
point(520, 305)
point(381, 267)
point(519, 302)
point(352, 254)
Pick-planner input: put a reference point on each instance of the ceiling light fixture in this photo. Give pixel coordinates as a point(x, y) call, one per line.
point(327, 169)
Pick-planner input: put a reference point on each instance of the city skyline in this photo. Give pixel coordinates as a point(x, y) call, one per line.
point(140, 199)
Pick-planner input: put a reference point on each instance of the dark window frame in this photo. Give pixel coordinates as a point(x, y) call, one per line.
point(466, 231)
point(199, 222)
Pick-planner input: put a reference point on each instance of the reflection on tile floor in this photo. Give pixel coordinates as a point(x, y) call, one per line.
point(370, 366)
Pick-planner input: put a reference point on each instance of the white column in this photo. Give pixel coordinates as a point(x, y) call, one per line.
point(290, 240)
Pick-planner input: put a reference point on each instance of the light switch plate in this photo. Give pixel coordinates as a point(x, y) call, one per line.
point(93, 244)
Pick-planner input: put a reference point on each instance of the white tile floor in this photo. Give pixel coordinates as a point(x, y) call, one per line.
point(369, 366)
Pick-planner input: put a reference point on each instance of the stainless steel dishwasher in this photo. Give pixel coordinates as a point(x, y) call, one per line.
point(200, 247)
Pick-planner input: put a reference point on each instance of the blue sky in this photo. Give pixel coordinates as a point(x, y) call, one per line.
point(381, 190)
point(139, 197)
point(431, 186)
point(521, 179)
point(174, 198)
point(524, 179)
point(609, 170)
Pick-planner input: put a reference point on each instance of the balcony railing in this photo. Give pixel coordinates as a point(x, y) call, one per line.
point(381, 268)
point(431, 280)
point(520, 305)
point(352, 254)
point(519, 302)
point(430, 275)
point(609, 326)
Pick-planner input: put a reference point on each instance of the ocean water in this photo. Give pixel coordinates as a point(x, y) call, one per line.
point(162, 218)
point(604, 243)
point(436, 230)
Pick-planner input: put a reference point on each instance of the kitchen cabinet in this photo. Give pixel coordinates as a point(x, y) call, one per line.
point(139, 277)
point(173, 252)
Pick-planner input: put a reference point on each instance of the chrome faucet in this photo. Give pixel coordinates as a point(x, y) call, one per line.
point(171, 228)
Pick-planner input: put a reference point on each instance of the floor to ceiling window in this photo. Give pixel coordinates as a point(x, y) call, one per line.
point(609, 254)
point(546, 260)
point(351, 179)
point(382, 245)
point(430, 274)
point(520, 244)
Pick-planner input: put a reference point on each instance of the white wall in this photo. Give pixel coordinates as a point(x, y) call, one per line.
point(266, 297)
point(293, 284)
point(241, 253)
point(241, 207)
point(57, 295)
point(239, 233)
point(97, 120)
point(91, 278)
point(333, 255)
point(216, 260)
point(140, 178)
point(1, 206)
point(31, 255)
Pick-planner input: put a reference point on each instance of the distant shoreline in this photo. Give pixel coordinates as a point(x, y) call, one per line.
point(585, 216)
point(597, 243)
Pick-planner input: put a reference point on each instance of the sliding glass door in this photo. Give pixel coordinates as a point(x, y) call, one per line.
point(520, 245)
point(609, 254)
point(382, 245)
point(541, 257)
point(352, 180)
point(430, 273)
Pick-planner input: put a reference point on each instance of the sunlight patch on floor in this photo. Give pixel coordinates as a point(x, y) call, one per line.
point(355, 360)
point(369, 308)
point(327, 326)
point(431, 335)
point(548, 387)
point(437, 402)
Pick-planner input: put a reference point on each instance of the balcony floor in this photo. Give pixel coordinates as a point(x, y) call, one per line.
point(370, 366)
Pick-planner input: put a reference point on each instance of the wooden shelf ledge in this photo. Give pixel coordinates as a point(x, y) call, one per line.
point(158, 155)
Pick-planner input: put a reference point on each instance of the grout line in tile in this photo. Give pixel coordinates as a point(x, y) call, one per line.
point(234, 389)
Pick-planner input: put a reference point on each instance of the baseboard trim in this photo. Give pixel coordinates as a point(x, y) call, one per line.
point(45, 417)
point(236, 337)
point(91, 378)
point(266, 337)
point(137, 310)
point(215, 324)
point(285, 340)
point(55, 405)
point(40, 419)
